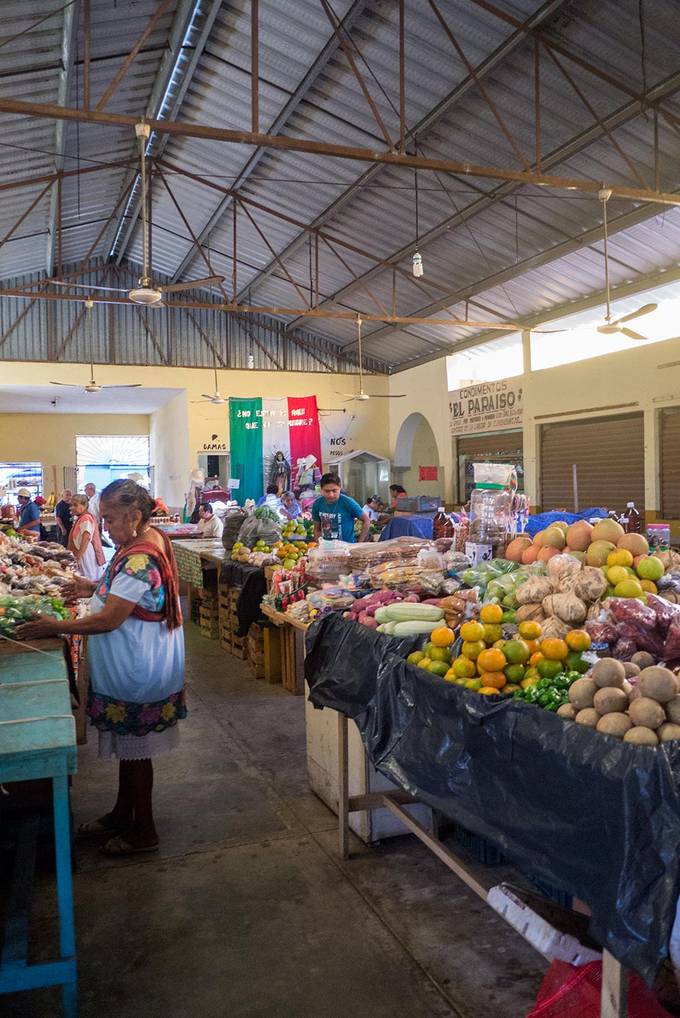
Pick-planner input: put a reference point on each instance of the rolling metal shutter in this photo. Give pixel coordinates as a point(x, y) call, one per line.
point(610, 461)
point(670, 463)
point(502, 447)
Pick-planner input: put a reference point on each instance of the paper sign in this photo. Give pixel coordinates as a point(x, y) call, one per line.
point(486, 406)
point(233, 484)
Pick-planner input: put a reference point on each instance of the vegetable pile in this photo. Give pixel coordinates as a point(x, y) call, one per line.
point(16, 610)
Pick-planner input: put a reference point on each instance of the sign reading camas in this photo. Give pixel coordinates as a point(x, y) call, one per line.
point(486, 406)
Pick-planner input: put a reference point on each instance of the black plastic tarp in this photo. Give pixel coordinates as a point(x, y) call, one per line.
point(253, 584)
point(585, 812)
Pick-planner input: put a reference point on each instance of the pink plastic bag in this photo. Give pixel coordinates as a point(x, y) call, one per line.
point(571, 992)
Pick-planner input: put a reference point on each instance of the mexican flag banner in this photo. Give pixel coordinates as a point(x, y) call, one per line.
point(267, 440)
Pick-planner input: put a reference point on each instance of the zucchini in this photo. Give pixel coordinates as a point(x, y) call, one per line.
point(413, 627)
point(406, 611)
point(381, 615)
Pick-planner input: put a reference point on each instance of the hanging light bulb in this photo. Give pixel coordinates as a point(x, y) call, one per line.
point(251, 361)
point(418, 270)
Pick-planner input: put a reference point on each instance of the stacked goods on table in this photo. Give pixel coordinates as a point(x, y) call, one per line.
point(32, 578)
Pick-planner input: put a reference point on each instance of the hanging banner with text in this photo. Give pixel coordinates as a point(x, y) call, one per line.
point(486, 406)
point(271, 441)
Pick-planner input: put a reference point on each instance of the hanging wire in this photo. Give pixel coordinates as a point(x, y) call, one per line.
point(643, 45)
point(415, 175)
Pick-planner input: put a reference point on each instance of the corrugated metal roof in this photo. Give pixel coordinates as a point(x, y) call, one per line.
point(511, 252)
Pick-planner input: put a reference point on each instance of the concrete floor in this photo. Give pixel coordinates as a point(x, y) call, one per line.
point(247, 911)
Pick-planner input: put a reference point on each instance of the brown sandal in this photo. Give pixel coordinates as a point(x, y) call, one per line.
point(119, 846)
point(95, 829)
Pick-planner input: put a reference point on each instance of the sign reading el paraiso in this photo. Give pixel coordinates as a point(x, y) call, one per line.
point(486, 406)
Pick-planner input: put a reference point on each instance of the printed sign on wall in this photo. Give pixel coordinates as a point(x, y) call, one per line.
point(486, 406)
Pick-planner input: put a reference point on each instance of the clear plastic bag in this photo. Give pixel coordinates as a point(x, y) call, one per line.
point(430, 558)
point(254, 530)
point(328, 561)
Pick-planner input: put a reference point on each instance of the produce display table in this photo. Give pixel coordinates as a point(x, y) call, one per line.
point(292, 648)
point(597, 817)
point(193, 556)
point(179, 531)
point(38, 741)
point(408, 526)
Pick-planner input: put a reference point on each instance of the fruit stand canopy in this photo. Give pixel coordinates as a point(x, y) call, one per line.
point(594, 816)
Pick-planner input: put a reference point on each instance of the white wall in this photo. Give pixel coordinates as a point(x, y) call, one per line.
point(169, 450)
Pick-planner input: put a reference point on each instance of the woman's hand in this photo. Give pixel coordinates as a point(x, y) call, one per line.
point(40, 627)
point(78, 587)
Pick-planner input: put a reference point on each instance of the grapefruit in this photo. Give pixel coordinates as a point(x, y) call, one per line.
point(608, 530)
point(620, 557)
point(628, 588)
point(650, 568)
point(579, 535)
point(598, 551)
point(636, 544)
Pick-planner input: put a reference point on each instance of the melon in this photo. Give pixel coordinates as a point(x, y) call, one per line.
point(553, 537)
point(538, 538)
point(579, 535)
point(598, 551)
point(579, 555)
point(608, 530)
point(530, 554)
point(547, 552)
point(562, 524)
point(636, 544)
point(513, 552)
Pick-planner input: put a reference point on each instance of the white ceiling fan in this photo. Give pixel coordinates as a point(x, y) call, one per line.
point(217, 399)
point(618, 324)
point(147, 292)
point(92, 385)
point(361, 396)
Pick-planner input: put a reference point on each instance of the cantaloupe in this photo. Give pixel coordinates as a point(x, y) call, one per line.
point(513, 552)
point(554, 538)
point(646, 712)
point(658, 683)
point(598, 551)
point(530, 554)
point(636, 544)
point(579, 535)
point(608, 530)
point(641, 737)
point(616, 724)
point(547, 552)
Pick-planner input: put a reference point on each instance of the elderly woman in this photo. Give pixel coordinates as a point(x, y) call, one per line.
point(136, 662)
point(84, 540)
point(290, 507)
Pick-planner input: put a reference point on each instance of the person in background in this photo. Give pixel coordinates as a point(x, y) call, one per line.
point(29, 512)
point(372, 508)
point(397, 492)
point(62, 512)
point(290, 507)
point(334, 513)
point(271, 498)
point(136, 662)
point(84, 540)
point(208, 524)
point(93, 502)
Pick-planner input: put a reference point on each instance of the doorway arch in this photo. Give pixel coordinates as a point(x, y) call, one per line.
point(417, 446)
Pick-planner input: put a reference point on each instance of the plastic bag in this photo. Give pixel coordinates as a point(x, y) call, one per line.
point(571, 992)
point(671, 647)
point(624, 648)
point(372, 553)
point(665, 611)
point(254, 529)
point(328, 561)
point(430, 558)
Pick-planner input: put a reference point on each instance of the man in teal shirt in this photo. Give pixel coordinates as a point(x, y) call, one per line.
point(334, 513)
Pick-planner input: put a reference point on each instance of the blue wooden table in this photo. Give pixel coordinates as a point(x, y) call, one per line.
point(38, 741)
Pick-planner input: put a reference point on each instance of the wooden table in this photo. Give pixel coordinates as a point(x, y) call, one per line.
point(38, 741)
point(292, 648)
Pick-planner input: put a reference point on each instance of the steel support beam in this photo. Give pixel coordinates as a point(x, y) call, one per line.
point(605, 125)
point(482, 70)
point(277, 124)
point(68, 46)
point(190, 31)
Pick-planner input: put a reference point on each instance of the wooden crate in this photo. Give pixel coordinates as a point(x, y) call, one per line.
point(292, 659)
point(239, 647)
point(272, 655)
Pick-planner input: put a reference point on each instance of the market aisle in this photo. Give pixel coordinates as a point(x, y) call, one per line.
point(247, 912)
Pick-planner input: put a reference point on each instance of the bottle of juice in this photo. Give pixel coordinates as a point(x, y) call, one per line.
point(633, 520)
point(442, 524)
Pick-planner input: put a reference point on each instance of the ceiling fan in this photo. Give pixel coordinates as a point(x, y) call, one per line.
point(147, 292)
point(217, 399)
point(92, 385)
point(618, 324)
point(361, 396)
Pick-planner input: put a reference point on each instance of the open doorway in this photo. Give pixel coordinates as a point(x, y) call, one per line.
point(101, 459)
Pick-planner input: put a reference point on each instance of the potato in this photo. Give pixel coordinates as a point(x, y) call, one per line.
point(658, 683)
point(608, 672)
point(582, 693)
point(610, 700)
point(630, 668)
point(673, 710)
point(566, 711)
point(642, 659)
point(646, 712)
point(641, 736)
point(616, 724)
point(588, 717)
point(667, 732)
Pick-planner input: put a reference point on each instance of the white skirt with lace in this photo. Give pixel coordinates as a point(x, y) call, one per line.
point(137, 747)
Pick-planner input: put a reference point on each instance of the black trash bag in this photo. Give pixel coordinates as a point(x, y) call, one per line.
point(595, 816)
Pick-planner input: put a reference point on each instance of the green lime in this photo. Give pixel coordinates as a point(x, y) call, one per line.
point(575, 662)
point(549, 669)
